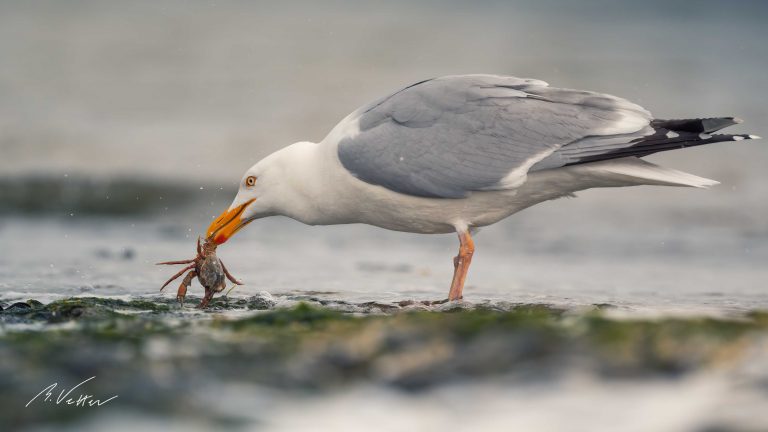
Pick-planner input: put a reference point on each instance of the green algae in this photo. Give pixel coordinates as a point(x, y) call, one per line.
point(302, 316)
point(108, 318)
point(670, 345)
point(146, 317)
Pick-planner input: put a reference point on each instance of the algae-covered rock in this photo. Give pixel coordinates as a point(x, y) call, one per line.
point(18, 307)
point(670, 345)
point(91, 308)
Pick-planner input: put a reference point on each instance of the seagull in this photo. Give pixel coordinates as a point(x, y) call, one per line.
point(456, 153)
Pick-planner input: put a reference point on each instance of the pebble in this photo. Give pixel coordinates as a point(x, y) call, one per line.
point(262, 301)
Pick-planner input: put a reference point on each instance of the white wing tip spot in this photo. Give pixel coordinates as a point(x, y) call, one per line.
point(755, 137)
point(672, 134)
point(705, 136)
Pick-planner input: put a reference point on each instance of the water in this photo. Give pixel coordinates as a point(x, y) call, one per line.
point(662, 263)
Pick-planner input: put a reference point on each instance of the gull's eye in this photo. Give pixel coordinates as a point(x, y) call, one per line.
point(250, 181)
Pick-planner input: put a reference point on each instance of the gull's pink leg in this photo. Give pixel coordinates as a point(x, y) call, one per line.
point(461, 265)
point(181, 272)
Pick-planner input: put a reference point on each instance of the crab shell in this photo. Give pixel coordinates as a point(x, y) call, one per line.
point(211, 274)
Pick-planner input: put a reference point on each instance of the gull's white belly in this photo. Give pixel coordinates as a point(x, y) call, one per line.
point(347, 199)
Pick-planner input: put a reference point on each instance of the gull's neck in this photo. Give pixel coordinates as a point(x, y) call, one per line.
point(301, 183)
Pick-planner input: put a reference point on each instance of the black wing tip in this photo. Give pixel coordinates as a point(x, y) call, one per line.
point(728, 137)
point(662, 140)
point(697, 125)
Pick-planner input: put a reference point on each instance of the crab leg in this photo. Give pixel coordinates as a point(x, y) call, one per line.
point(176, 262)
point(206, 299)
point(229, 275)
point(181, 272)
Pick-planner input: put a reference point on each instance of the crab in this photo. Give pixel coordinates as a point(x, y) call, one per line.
point(208, 268)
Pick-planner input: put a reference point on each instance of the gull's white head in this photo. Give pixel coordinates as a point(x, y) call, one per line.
point(268, 188)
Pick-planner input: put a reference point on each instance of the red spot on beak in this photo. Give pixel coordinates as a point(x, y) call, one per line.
point(227, 224)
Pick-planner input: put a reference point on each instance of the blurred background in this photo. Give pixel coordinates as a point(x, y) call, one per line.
point(125, 127)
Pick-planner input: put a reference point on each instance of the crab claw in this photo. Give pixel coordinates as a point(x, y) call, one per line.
point(185, 283)
point(181, 293)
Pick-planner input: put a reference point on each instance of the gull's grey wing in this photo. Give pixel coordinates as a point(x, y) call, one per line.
point(449, 136)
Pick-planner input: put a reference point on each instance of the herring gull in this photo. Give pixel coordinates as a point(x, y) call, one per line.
point(456, 153)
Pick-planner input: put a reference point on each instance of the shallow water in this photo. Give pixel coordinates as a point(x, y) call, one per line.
point(660, 264)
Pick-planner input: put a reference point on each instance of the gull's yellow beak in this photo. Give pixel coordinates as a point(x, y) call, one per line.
point(227, 224)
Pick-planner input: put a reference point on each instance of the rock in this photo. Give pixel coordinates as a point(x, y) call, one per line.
point(416, 307)
point(434, 302)
point(454, 306)
point(262, 301)
point(35, 304)
point(376, 307)
point(19, 307)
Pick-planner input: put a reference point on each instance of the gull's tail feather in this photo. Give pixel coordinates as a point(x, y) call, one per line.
point(633, 171)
